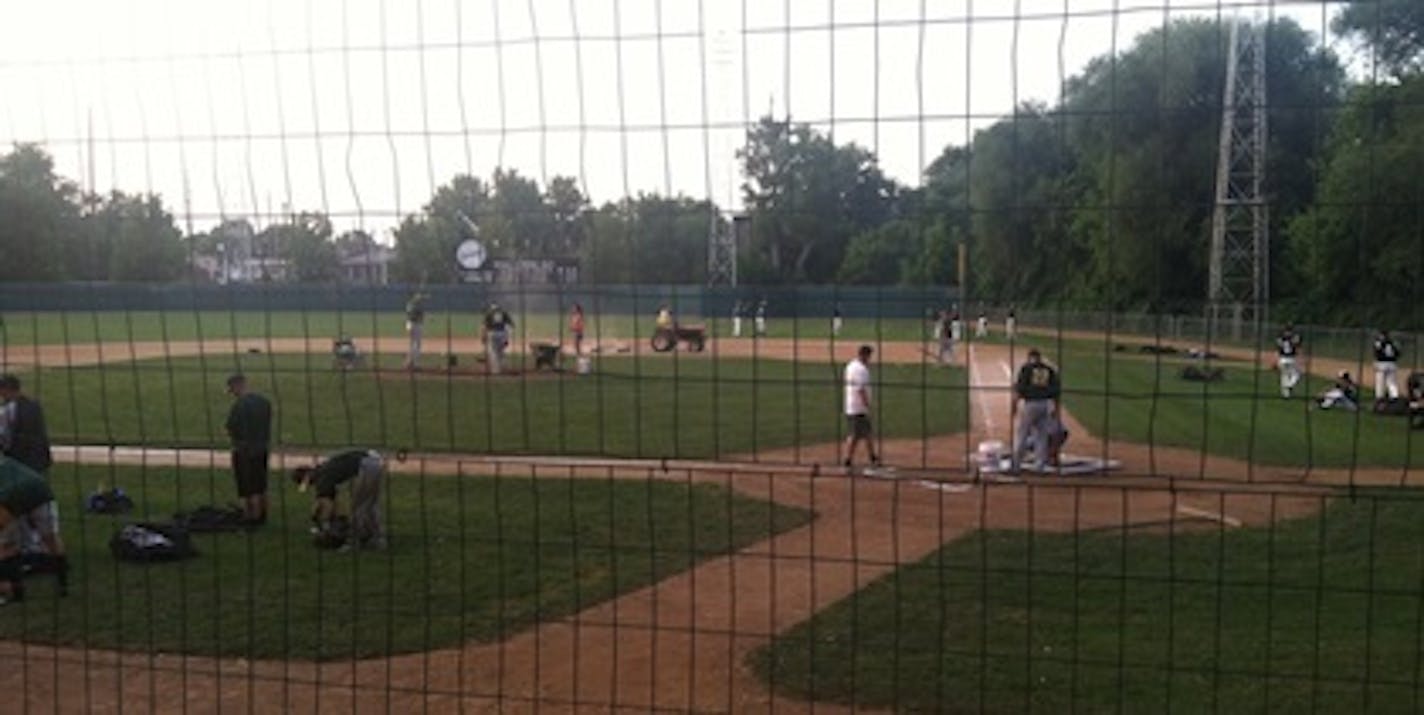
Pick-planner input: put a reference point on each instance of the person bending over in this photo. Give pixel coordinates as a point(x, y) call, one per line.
point(365, 469)
point(26, 501)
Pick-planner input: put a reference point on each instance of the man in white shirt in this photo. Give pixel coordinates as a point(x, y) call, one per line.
point(857, 406)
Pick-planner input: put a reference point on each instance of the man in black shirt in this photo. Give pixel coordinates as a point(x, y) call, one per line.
point(24, 436)
point(1038, 390)
point(249, 425)
point(1386, 367)
point(496, 329)
point(365, 469)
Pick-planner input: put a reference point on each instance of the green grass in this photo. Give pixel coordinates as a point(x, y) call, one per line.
point(1295, 618)
point(57, 328)
point(657, 406)
point(1138, 399)
point(471, 558)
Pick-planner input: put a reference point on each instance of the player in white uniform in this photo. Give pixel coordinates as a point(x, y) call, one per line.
point(1287, 350)
point(982, 330)
point(1386, 367)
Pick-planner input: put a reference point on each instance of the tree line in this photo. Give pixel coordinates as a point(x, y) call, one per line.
point(1103, 199)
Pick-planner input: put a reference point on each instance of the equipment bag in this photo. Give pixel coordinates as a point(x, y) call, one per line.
point(146, 542)
point(109, 501)
point(210, 519)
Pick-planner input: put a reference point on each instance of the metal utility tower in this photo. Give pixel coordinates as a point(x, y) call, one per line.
point(722, 250)
point(1240, 241)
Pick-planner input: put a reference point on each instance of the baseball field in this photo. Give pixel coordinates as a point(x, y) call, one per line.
point(673, 530)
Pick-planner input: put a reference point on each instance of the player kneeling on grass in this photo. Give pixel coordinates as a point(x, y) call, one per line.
point(1344, 394)
point(26, 501)
point(365, 469)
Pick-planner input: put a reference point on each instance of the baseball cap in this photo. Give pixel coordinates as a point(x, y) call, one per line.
point(235, 379)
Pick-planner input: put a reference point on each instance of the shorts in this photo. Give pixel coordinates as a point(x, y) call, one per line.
point(27, 532)
point(859, 425)
point(249, 471)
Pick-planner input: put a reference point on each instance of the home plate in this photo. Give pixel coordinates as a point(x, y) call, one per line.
point(1070, 465)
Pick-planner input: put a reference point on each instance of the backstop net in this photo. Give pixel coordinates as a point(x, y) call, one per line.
point(641, 355)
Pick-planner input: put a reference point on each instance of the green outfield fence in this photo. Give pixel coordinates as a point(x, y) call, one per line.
point(605, 525)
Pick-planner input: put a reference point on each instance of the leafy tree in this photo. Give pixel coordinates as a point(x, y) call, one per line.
point(881, 255)
point(305, 242)
point(1143, 134)
point(40, 213)
point(1392, 31)
point(426, 242)
point(1358, 247)
point(143, 242)
point(807, 198)
point(649, 239)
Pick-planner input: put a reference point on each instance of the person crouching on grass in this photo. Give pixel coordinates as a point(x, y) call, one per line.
point(26, 501)
point(365, 469)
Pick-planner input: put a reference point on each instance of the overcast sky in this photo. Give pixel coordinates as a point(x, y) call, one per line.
point(360, 107)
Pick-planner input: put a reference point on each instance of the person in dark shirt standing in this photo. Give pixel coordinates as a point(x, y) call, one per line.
point(497, 326)
point(415, 327)
point(365, 469)
point(249, 425)
point(1038, 390)
point(1386, 367)
point(26, 439)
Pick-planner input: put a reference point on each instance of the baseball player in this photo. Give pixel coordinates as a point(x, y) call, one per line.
point(1287, 348)
point(415, 327)
point(761, 318)
point(956, 326)
point(25, 497)
point(1010, 323)
point(1038, 391)
point(1344, 394)
point(982, 329)
point(946, 337)
point(737, 309)
point(365, 469)
point(496, 329)
point(1386, 367)
point(249, 425)
point(837, 322)
point(857, 406)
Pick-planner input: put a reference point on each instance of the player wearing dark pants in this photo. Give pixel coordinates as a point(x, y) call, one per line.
point(857, 406)
point(365, 469)
point(25, 497)
point(249, 425)
point(1038, 390)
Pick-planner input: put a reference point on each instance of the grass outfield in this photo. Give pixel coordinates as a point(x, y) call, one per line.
point(25, 328)
point(472, 558)
point(1138, 399)
point(636, 407)
point(1293, 618)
